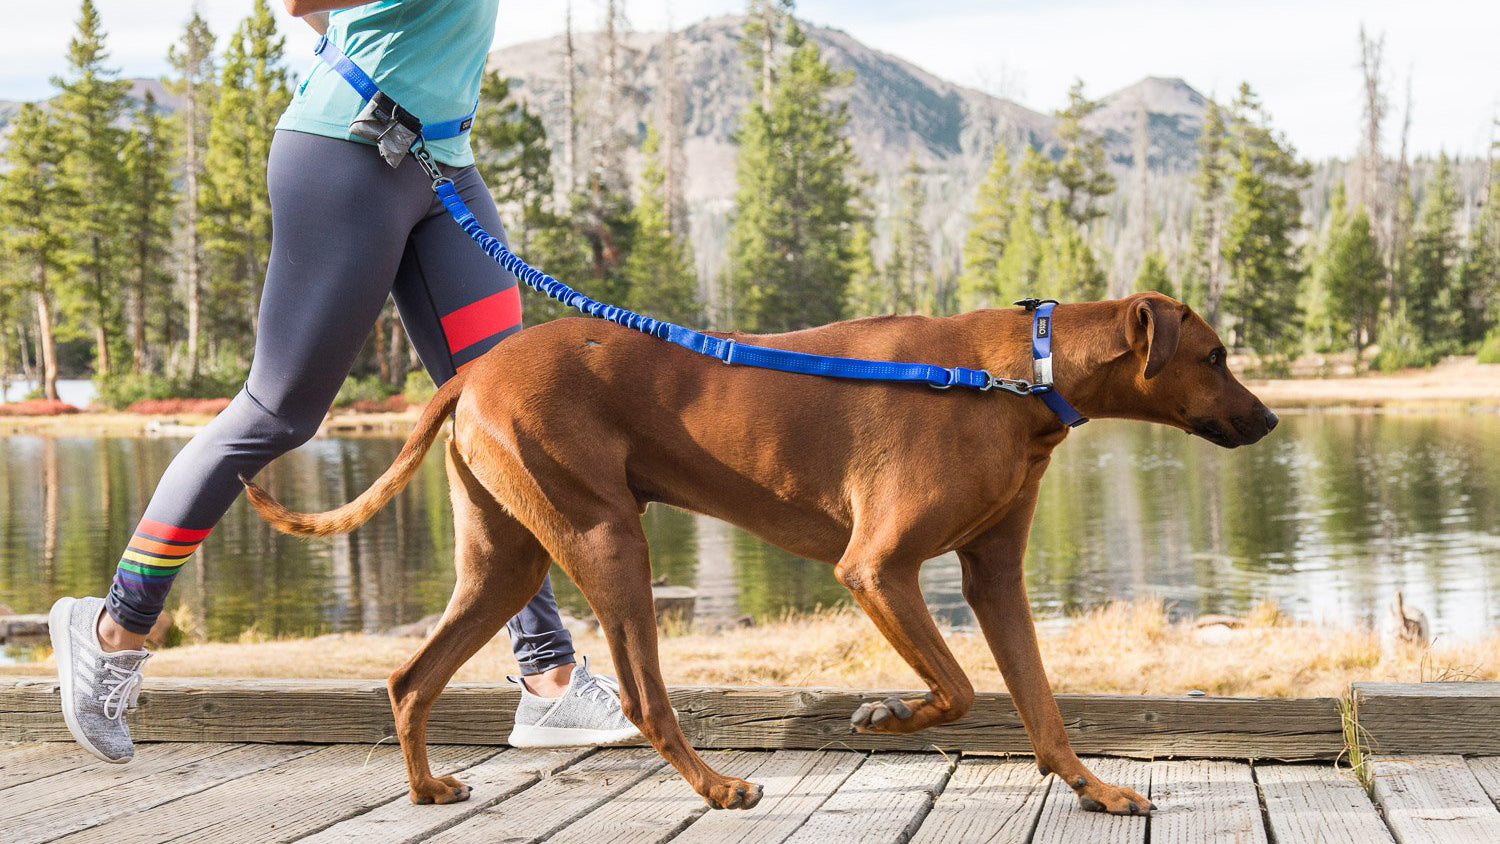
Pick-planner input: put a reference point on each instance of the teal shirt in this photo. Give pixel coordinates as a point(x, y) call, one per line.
point(427, 55)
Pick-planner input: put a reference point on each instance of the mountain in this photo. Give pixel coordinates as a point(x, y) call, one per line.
point(897, 110)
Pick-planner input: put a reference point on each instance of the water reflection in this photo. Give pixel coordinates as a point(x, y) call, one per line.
point(1329, 516)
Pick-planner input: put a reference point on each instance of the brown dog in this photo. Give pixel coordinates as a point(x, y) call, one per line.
point(564, 432)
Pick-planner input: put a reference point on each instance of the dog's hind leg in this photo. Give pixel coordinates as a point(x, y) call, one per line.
point(500, 566)
point(884, 582)
point(610, 563)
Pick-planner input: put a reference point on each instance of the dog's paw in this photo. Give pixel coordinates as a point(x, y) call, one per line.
point(733, 794)
point(892, 715)
point(439, 790)
point(1102, 797)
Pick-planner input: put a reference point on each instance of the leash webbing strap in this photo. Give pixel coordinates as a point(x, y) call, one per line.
point(368, 90)
point(727, 350)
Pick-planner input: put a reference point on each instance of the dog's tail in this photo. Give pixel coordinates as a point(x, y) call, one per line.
point(357, 512)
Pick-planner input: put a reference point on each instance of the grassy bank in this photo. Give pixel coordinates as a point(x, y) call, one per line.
point(1126, 648)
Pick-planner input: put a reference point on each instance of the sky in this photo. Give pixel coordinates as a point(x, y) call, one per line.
point(1300, 55)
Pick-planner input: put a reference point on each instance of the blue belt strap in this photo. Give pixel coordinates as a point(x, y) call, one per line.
point(367, 90)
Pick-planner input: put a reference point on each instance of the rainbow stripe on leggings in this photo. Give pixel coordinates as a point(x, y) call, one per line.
point(154, 555)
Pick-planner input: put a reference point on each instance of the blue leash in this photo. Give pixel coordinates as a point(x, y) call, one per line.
point(726, 350)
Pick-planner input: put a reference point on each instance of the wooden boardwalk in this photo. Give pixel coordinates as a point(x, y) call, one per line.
point(229, 761)
point(226, 793)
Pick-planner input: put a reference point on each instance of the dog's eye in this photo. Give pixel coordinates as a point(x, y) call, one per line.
point(1216, 358)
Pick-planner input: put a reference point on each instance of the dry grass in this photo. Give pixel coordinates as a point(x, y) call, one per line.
point(1127, 648)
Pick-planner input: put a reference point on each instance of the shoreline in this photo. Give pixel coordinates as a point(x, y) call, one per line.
point(1454, 385)
point(1121, 648)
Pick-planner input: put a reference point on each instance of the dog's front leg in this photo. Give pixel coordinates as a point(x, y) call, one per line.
point(996, 591)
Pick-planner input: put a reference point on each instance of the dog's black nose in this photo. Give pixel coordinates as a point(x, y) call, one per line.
point(1270, 419)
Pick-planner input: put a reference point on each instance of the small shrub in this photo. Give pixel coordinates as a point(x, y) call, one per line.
point(1399, 345)
point(419, 387)
point(128, 390)
point(1489, 351)
point(37, 407)
point(173, 407)
point(394, 404)
point(367, 389)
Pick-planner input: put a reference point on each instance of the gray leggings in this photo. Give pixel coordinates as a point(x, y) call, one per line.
point(348, 231)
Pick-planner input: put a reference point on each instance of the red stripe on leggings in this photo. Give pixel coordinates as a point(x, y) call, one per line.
point(489, 316)
point(172, 534)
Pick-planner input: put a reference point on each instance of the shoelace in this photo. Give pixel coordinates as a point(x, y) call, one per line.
point(124, 689)
point(605, 689)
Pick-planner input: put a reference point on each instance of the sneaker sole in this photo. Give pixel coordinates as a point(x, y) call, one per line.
point(60, 630)
point(525, 735)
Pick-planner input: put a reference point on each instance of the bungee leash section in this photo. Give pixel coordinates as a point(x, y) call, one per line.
point(397, 133)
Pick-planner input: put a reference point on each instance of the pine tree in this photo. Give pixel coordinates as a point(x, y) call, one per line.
point(193, 59)
point(765, 21)
point(989, 233)
point(791, 239)
point(1205, 288)
point(1082, 173)
point(91, 101)
point(512, 152)
point(1018, 272)
point(1479, 276)
point(1433, 259)
point(1263, 261)
point(1068, 270)
point(1154, 276)
point(1352, 275)
point(908, 270)
point(253, 92)
point(663, 283)
point(147, 223)
point(34, 223)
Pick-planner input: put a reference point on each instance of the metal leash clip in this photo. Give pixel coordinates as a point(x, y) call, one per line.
point(430, 165)
point(1019, 386)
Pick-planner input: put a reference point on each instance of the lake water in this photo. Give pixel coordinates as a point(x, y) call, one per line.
point(1329, 516)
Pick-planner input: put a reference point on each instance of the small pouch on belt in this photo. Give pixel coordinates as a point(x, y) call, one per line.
point(393, 129)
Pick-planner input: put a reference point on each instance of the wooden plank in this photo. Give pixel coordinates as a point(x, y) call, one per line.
point(986, 800)
point(656, 808)
point(884, 801)
point(796, 783)
point(43, 795)
point(1487, 770)
point(495, 779)
point(1429, 718)
point(1434, 800)
point(1063, 821)
point(536, 812)
point(126, 798)
point(1205, 802)
point(21, 763)
point(1318, 803)
point(282, 803)
point(358, 711)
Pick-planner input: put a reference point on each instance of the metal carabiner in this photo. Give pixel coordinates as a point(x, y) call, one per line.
point(430, 165)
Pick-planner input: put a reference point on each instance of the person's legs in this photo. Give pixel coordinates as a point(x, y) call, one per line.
point(456, 304)
point(341, 218)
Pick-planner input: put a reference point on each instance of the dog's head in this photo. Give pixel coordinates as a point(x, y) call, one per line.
point(1181, 373)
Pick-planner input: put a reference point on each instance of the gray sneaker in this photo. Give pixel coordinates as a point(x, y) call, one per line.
point(588, 713)
point(97, 687)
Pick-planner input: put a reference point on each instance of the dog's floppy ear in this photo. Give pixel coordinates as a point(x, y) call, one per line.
point(1153, 328)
